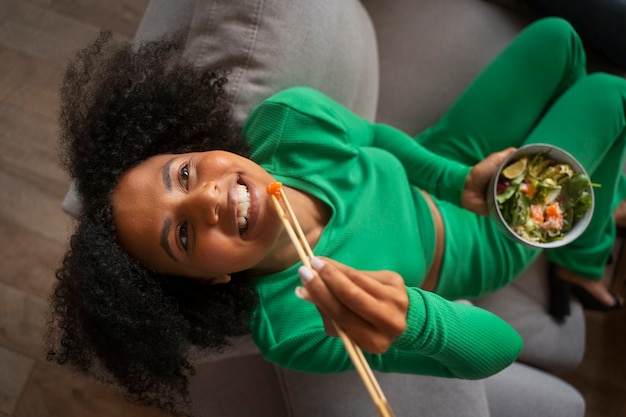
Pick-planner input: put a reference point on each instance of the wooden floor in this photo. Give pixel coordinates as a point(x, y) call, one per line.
point(36, 39)
point(601, 378)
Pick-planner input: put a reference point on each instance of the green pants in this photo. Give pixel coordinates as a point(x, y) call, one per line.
point(535, 91)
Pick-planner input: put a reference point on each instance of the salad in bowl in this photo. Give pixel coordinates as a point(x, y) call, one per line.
point(541, 196)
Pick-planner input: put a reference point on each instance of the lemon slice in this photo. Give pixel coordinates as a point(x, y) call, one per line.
point(515, 169)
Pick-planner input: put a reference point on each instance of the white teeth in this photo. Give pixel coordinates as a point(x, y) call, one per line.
point(243, 205)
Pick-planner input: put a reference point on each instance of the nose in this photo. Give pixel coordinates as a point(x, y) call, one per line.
point(203, 203)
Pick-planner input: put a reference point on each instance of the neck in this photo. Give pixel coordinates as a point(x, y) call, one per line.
point(313, 215)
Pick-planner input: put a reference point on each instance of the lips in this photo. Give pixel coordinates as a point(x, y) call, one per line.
point(243, 207)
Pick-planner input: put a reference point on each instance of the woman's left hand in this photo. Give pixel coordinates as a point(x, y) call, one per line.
point(369, 306)
point(475, 191)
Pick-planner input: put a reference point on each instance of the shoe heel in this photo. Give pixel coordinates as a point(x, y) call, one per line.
point(558, 301)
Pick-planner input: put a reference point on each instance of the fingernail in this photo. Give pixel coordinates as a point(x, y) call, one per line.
point(306, 274)
point(317, 263)
point(302, 294)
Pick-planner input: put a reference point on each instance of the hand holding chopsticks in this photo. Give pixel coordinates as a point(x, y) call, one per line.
point(305, 253)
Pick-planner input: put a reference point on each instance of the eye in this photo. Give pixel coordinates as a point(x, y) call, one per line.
point(183, 175)
point(182, 235)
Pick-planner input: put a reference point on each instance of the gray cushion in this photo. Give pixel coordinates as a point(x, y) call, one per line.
point(163, 18)
point(344, 394)
point(548, 344)
point(222, 380)
point(430, 51)
point(521, 391)
point(242, 386)
point(270, 45)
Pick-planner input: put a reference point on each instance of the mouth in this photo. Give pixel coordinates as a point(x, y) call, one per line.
point(243, 207)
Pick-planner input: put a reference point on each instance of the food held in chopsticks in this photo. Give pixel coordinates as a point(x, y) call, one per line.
point(275, 189)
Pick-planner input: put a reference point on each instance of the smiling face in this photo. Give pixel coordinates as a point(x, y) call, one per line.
point(203, 215)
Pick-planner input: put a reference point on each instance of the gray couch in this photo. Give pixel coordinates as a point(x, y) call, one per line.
point(401, 62)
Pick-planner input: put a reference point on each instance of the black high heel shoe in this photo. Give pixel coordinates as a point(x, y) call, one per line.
point(559, 293)
point(558, 296)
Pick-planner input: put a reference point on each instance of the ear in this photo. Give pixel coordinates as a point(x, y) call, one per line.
point(219, 280)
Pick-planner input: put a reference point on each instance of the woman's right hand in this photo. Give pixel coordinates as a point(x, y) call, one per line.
point(369, 306)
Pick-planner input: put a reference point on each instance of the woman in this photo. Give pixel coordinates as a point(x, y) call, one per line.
point(173, 204)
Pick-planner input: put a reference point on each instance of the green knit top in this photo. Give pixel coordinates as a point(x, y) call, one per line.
point(369, 175)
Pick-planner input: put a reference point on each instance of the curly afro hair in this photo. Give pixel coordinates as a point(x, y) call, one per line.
point(110, 317)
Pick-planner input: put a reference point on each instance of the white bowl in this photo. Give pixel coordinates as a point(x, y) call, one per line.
point(558, 155)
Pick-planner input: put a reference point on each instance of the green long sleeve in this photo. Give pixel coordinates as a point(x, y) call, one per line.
point(442, 338)
point(442, 177)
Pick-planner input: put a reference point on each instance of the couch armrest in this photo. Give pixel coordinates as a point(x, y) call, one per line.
point(520, 391)
point(548, 344)
point(313, 395)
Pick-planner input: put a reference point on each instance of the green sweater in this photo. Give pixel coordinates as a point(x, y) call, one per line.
point(369, 175)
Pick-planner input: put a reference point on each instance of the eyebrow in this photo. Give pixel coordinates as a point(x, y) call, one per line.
point(167, 223)
point(165, 244)
point(165, 173)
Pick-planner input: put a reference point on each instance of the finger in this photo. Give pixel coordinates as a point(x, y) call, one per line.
point(498, 157)
point(349, 286)
point(318, 292)
point(376, 284)
point(329, 325)
point(303, 294)
point(381, 285)
point(379, 298)
point(333, 313)
point(382, 277)
point(374, 339)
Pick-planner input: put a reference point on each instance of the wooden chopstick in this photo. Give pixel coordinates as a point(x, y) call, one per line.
point(296, 234)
